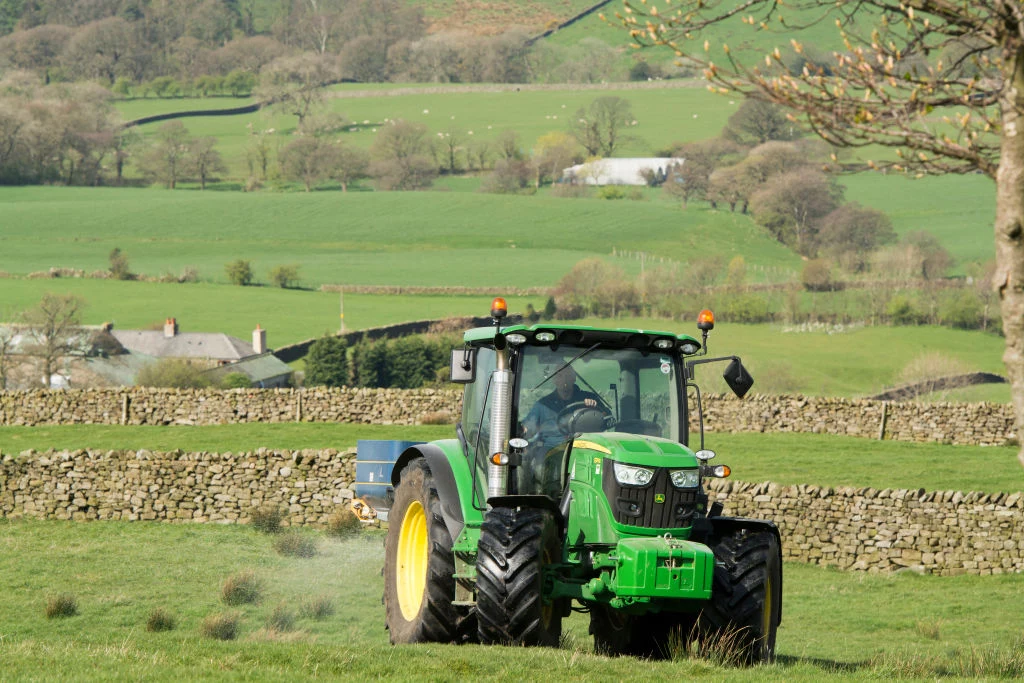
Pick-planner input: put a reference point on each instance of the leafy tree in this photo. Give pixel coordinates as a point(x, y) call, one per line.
point(370, 364)
point(401, 157)
point(327, 362)
point(961, 63)
point(236, 380)
point(239, 272)
point(854, 230)
point(552, 153)
point(54, 325)
point(351, 163)
point(691, 178)
point(509, 177)
point(285, 276)
point(239, 82)
point(792, 205)
point(817, 275)
point(119, 267)
point(933, 259)
point(601, 128)
point(757, 122)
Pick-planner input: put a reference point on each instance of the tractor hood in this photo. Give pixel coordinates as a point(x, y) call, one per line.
point(636, 449)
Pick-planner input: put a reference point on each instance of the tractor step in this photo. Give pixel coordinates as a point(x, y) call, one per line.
point(464, 603)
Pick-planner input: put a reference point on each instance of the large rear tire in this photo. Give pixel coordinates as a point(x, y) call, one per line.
point(746, 597)
point(419, 564)
point(514, 547)
point(649, 635)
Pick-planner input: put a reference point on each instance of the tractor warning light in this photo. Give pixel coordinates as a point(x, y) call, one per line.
point(706, 320)
point(499, 309)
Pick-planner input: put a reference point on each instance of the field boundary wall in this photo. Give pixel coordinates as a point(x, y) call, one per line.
point(977, 424)
point(941, 532)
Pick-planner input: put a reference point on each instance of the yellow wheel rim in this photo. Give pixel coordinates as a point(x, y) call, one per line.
point(766, 617)
point(413, 553)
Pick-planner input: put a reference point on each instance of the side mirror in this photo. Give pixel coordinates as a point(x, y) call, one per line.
point(463, 367)
point(738, 379)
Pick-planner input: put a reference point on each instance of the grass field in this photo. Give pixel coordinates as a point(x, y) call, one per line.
point(834, 624)
point(401, 238)
point(787, 459)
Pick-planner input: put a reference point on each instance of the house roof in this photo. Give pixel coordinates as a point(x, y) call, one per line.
point(260, 368)
point(211, 345)
point(86, 340)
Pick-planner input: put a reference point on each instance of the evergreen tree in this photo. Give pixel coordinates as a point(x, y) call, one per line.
point(327, 362)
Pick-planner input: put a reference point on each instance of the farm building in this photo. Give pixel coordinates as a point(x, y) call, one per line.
point(619, 171)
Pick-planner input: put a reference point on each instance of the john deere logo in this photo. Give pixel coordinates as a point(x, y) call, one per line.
point(659, 497)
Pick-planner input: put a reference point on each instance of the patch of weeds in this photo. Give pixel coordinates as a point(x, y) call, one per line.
point(932, 630)
point(60, 606)
point(241, 588)
point(343, 523)
point(267, 519)
point(160, 620)
point(726, 647)
point(317, 607)
point(295, 544)
point(281, 619)
point(221, 626)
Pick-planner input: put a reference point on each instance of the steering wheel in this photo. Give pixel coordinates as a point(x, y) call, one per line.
point(580, 417)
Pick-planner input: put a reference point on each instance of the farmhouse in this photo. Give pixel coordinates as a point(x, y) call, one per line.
point(633, 171)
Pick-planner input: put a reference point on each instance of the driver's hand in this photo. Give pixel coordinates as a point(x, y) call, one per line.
point(590, 403)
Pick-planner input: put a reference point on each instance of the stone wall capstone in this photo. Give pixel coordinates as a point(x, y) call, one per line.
point(979, 424)
point(941, 532)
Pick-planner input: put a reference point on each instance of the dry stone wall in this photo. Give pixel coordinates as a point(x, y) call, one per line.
point(940, 532)
point(985, 424)
point(856, 529)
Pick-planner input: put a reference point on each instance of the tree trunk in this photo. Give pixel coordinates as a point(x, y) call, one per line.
point(1009, 229)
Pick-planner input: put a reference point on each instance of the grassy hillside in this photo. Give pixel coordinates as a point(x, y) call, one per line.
point(835, 624)
point(360, 238)
point(663, 115)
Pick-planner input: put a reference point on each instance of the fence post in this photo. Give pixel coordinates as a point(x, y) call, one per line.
point(125, 402)
point(885, 417)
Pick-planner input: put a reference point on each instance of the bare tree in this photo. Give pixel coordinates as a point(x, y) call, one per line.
point(54, 326)
point(7, 336)
point(205, 161)
point(963, 62)
point(296, 84)
point(401, 157)
point(601, 127)
point(691, 177)
point(792, 205)
point(351, 164)
point(309, 159)
point(757, 122)
point(167, 160)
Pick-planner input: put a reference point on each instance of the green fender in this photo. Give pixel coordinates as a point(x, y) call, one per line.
point(453, 478)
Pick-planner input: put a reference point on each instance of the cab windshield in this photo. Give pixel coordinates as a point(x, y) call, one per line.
point(620, 390)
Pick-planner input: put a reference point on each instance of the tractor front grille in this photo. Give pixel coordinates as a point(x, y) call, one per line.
point(659, 505)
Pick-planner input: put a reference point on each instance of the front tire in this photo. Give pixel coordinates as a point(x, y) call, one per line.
point(419, 564)
point(746, 597)
point(514, 547)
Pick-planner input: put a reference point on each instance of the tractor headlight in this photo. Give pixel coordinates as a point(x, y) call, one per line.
point(630, 475)
point(685, 479)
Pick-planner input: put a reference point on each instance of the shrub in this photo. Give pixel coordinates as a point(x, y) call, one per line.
point(344, 523)
point(119, 268)
point(266, 519)
point(281, 619)
point(173, 372)
point(570, 191)
point(242, 588)
point(611, 192)
point(235, 380)
point(239, 272)
point(636, 195)
point(437, 417)
point(63, 605)
point(901, 311)
point(222, 626)
point(160, 620)
point(295, 544)
point(817, 276)
point(964, 311)
point(285, 276)
point(317, 607)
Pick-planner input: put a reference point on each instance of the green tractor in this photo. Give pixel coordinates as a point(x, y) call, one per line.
point(572, 485)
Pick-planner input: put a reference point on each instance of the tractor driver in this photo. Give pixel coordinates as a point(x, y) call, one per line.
point(541, 424)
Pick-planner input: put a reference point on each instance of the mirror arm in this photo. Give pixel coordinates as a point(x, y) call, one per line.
point(690, 364)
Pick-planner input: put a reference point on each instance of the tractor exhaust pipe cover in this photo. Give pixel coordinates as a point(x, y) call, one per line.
point(501, 414)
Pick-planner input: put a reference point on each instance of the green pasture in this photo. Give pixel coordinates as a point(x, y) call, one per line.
point(399, 238)
point(835, 625)
point(958, 209)
point(787, 459)
point(663, 115)
point(288, 315)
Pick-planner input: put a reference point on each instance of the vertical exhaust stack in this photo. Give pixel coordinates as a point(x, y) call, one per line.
point(501, 409)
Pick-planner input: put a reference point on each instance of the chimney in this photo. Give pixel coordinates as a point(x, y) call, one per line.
point(170, 328)
point(259, 340)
